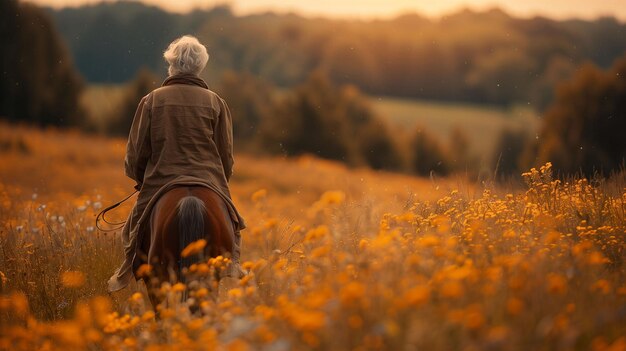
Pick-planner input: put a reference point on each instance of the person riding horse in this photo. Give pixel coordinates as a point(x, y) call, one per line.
point(181, 135)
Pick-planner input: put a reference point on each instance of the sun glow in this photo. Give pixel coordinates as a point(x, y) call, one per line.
point(365, 9)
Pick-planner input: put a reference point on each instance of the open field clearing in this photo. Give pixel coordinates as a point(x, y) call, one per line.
point(101, 101)
point(481, 124)
point(337, 259)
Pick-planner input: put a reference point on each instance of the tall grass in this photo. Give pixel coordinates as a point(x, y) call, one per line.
point(336, 259)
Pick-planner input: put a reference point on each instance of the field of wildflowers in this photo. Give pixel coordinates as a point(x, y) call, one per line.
point(337, 259)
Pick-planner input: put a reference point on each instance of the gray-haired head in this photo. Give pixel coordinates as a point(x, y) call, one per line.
point(186, 55)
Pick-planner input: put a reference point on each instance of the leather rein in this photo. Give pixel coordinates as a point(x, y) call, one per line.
point(102, 215)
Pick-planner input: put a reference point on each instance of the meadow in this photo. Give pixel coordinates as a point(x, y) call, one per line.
point(337, 259)
point(478, 122)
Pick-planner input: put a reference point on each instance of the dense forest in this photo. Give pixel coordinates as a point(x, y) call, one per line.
point(38, 81)
point(483, 57)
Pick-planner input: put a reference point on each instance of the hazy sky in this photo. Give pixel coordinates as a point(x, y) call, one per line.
point(385, 8)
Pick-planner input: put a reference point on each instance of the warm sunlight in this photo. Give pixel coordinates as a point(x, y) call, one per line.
point(382, 8)
point(312, 175)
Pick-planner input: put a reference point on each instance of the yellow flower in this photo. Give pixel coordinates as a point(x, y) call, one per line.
point(428, 241)
point(147, 316)
point(602, 286)
point(514, 306)
point(383, 240)
point(238, 345)
point(442, 223)
point(178, 287)
point(20, 303)
point(144, 271)
point(130, 342)
point(201, 293)
point(271, 223)
point(321, 251)
point(417, 296)
point(452, 289)
point(167, 313)
point(596, 258)
point(195, 324)
point(306, 320)
point(316, 233)
point(266, 312)
point(203, 269)
point(459, 273)
point(333, 197)
point(259, 195)
point(136, 297)
point(352, 293)
point(235, 293)
point(248, 265)
point(194, 248)
point(363, 244)
point(93, 335)
point(280, 264)
point(498, 335)
point(474, 320)
point(557, 284)
point(265, 334)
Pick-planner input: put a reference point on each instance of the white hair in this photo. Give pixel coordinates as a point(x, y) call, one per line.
point(186, 55)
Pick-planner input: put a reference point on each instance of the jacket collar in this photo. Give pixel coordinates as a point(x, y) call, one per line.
point(186, 79)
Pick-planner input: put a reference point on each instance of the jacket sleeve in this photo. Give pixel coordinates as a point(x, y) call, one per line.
point(223, 138)
point(138, 149)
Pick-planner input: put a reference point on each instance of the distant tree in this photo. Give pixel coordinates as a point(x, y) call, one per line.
point(112, 40)
point(428, 156)
point(350, 61)
point(459, 150)
point(144, 82)
point(251, 101)
point(584, 128)
point(39, 83)
point(309, 121)
point(377, 147)
point(558, 69)
point(485, 56)
point(330, 122)
point(502, 76)
point(510, 148)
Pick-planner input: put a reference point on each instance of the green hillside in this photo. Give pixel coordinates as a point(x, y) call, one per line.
point(482, 124)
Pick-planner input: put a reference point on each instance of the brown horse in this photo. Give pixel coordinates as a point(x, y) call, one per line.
point(180, 217)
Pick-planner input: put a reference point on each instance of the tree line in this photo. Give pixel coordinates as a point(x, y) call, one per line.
point(316, 117)
point(39, 82)
point(581, 131)
point(481, 57)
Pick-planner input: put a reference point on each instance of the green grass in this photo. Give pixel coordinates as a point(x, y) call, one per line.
point(482, 124)
point(100, 101)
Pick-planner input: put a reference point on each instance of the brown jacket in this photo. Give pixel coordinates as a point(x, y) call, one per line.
point(182, 134)
point(179, 129)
